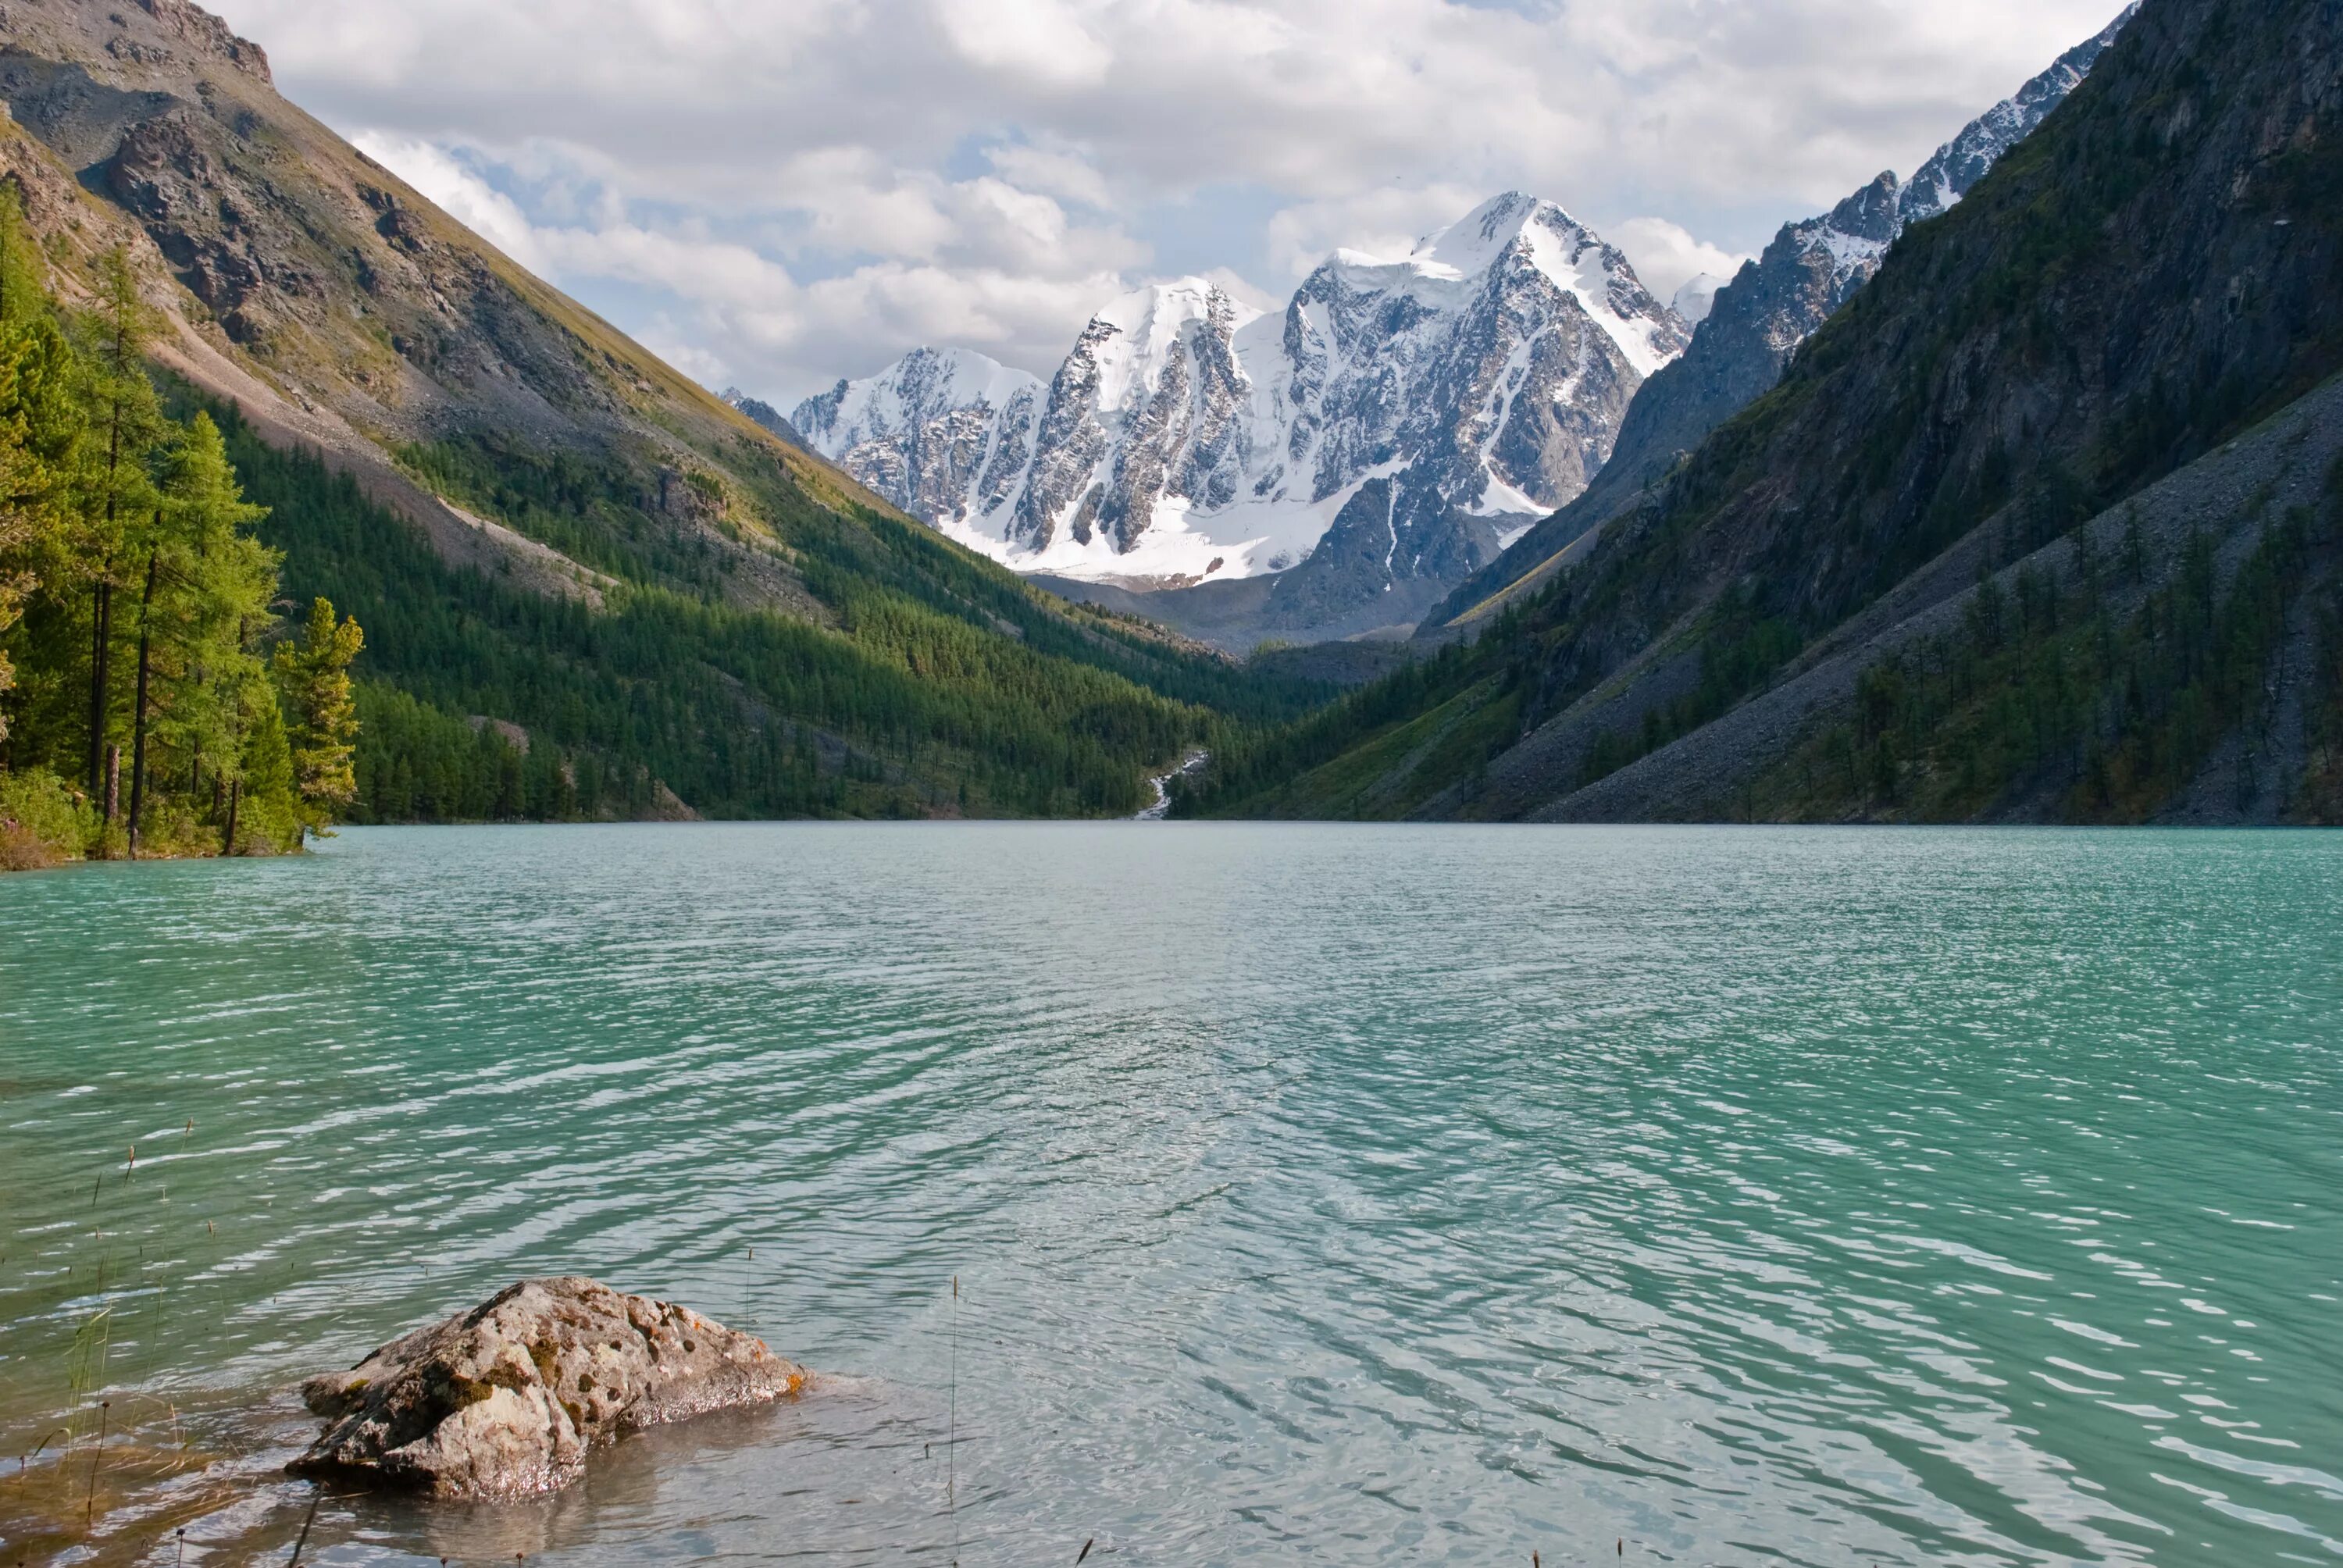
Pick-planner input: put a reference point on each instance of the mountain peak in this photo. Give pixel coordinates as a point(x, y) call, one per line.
point(1872, 213)
point(1163, 308)
point(1473, 242)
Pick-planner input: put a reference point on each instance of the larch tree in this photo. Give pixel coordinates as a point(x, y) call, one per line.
point(118, 489)
point(206, 584)
point(314, 675)
point(28, 485)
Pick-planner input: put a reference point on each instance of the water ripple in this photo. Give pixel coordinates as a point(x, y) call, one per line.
point(1341, 1195)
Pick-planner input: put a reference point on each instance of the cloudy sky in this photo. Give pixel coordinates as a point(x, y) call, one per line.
point(776, 193)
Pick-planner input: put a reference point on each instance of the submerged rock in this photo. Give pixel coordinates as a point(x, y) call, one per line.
point(506, 1400)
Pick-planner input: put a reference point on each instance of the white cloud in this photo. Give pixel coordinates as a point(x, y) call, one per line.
point(1378, 222)
point(1666, 257)
point(1056, 173)
point(1042, 40)
point(980, 263)
point(989, 163)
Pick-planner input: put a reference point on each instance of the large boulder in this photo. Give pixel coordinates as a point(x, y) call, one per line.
point(506, 1400)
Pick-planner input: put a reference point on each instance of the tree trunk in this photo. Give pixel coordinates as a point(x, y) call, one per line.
point(101, 652)
point(101, 647)
point(139, 714)
point(112, 785)
point(234, 799)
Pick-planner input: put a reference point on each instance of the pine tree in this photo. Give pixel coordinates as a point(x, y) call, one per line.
point(314, 676)
point(260, 802)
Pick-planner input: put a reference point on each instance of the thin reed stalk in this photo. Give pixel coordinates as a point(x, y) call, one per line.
point(89, 1507)
point(951, 1431)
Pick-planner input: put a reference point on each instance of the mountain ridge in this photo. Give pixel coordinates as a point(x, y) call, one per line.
point(2136, 301)
point(1757, 319)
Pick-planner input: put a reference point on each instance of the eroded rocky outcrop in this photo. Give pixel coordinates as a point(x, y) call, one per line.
point(508, 1399)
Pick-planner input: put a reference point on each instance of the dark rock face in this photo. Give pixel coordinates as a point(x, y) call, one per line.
point(206, 33)
point(764, 414)
point(506, 1399)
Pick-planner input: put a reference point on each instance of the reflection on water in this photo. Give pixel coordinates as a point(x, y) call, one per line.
point(1319, 1194)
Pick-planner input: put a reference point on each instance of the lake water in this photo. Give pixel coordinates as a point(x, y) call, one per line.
point(1322, 1194)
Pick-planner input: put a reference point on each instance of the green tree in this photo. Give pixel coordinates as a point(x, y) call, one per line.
point(260, 806)
point(314, 676)
point(206, 587)
point(116, 488)
point(28, 486)
point(23, 515)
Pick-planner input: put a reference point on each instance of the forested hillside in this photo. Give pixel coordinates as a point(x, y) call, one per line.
point(2041, 527)
point(652, 700)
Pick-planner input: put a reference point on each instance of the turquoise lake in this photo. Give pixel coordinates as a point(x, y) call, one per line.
point(1316, 1194)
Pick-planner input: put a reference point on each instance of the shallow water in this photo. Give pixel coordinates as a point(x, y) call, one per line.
point(1346, 1195)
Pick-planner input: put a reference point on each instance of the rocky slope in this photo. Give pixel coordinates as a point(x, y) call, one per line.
point(1375, 441)
point(2046, 522)
point(1751, 326)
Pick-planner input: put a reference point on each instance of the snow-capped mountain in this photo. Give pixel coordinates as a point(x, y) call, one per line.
point(1149, 412)
point(939, 432)
point(1188, 435)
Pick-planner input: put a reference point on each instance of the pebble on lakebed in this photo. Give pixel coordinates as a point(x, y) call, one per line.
point(504, 1401)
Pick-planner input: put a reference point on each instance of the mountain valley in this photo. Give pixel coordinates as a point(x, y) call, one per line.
point(590, 587)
